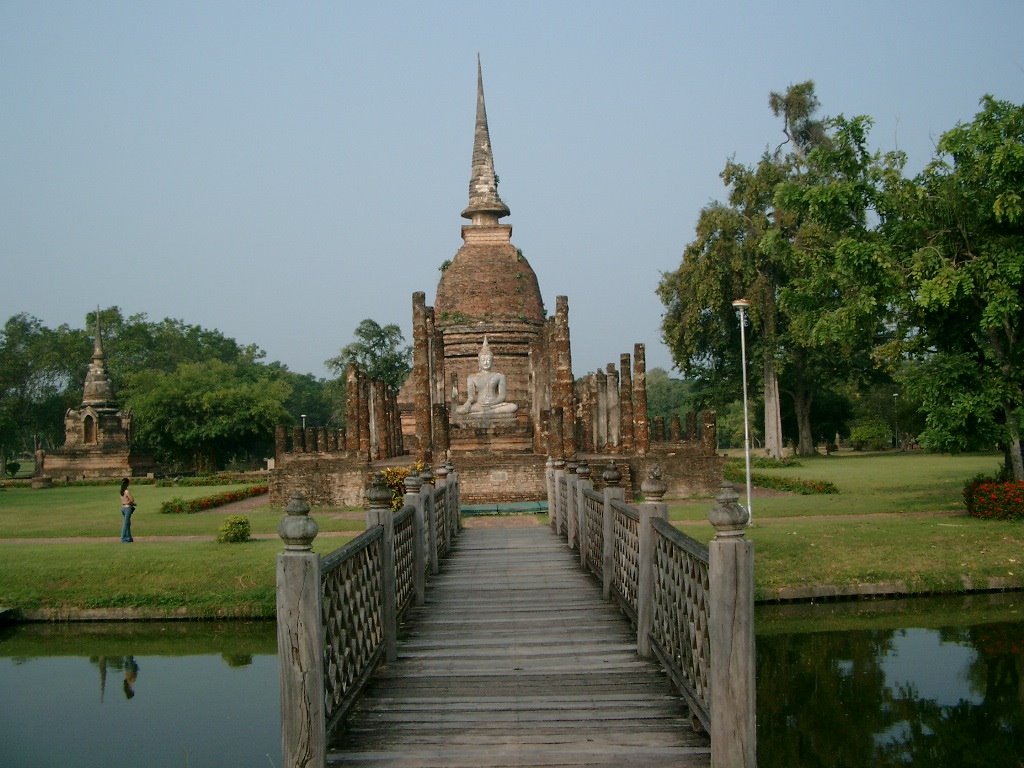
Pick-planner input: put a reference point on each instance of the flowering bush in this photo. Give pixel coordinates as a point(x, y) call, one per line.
point(181, 507)
point(991, 499)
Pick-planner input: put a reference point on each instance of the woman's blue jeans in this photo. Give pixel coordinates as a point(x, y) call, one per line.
point(126, 525)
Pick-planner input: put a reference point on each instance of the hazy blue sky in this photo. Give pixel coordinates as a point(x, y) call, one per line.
point(281, 171)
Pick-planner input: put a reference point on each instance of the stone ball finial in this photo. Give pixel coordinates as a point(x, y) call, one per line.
point(412, 482)
point(571, 465)
point(653, 487)
point(297, 529)
point(378, 493)
point(427, 475)
point(583, 470)
point(611, 475)
point(728, 516)
point(442, 472)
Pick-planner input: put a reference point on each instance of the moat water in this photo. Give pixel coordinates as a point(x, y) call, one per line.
point(930, 682)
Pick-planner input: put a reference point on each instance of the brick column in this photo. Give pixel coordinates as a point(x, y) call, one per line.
point(641, 431)
point(563, 395)
point(614, 410)
point(421, 376)
point(626, 402)
point(351, 408)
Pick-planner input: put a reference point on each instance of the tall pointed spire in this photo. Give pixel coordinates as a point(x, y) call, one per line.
point(99, 392)
point(485, 206)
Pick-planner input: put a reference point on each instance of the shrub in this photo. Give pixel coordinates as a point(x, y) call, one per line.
point(180, 506)
point(234, 529)
point(735, 471)
point(871, 435)
point(990, 499)
point(13, 468)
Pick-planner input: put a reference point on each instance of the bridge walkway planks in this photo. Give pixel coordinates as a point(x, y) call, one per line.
point(515, 660)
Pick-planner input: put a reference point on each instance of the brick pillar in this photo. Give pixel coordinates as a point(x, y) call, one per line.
point(421, 376)
point(364, 416)
point(626, 402)
point(562, 395)
point(691, 425)
point(614, 410)
point(586, 416)
point(298, 440)
point(280, 441)
point(321, 440)
point(641, 430)
point(380, 418)
point(436, 353)
point(440, 431)
point(601, 412)
point(555, 427)
point(351, 408)
point(709, 437)
point(659, 430)
point(675, 429)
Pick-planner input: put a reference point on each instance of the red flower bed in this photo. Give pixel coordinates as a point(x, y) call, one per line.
point(994, 500)
point(203, 503)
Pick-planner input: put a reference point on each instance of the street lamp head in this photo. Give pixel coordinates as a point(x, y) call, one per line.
point(741, 304)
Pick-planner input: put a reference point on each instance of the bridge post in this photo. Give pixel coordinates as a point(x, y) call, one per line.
point(427, 491)
point(731, 632)
point(380, 514)
point(653, 488)
point(300, 640)
point(455, 489)
point(419, 545)
point(584, 484)
point(611, 477)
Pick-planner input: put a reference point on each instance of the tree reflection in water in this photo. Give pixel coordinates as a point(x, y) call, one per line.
point(825, 699)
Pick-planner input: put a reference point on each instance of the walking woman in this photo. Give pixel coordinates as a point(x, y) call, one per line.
point(127, 507)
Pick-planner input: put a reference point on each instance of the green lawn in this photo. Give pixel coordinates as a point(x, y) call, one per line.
point(197, 578)
point(896, 518)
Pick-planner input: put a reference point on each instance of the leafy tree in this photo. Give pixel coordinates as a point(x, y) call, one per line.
point(667, 396)
point(963, 230)
point(41, 375)
point(203, 414)
point(800, 239)
point(378, 351)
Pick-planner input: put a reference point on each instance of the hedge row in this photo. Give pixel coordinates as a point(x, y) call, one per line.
point(735, 471)
point(203, 503)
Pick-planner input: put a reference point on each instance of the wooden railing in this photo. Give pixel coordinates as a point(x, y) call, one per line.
point(692, 605)
point(338, 616)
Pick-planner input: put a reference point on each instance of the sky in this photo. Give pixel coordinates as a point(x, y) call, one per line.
point(281, 171)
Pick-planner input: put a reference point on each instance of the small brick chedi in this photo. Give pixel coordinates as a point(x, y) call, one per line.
point(97, 435)
point(492, 385)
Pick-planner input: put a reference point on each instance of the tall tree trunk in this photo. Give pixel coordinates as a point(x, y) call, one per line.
point(802, 405)
point(1013, 440)
point(772, 410)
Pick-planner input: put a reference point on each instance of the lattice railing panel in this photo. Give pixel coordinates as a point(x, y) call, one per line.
point(626, 555)
point(352, 614)
point(405, 532)
point(563, 505)
point(682, 613)
point(593, 533)
point(442, 517)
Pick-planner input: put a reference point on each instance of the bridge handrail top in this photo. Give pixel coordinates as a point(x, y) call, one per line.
point(365, 539)
point(668, 531)
point(623, 508)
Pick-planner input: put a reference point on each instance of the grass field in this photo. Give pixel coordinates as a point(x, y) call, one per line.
point(897, 518)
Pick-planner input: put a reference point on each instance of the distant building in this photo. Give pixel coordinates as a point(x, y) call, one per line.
point(97, 435)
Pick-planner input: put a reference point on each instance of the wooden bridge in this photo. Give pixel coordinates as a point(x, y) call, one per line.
point(515, 656)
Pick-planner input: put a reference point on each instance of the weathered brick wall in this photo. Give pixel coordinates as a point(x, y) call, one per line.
point(334, 479)
point(497, 479)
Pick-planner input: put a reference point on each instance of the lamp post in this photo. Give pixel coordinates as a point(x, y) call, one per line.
point(896, 416)
point(303, 422)
point(743, 305)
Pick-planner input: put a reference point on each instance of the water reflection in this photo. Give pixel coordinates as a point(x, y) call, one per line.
point(154, 694)
point(918, 692)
